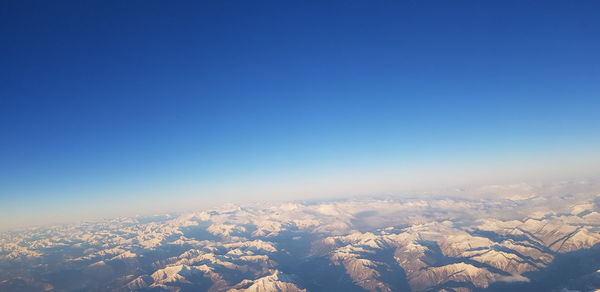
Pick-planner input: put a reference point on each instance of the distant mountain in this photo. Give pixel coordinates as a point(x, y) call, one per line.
point(496, 238)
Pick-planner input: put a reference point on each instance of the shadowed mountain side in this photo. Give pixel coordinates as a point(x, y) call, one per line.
point(566, 271)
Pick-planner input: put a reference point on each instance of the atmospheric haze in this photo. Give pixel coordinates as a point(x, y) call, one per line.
point(299, 145)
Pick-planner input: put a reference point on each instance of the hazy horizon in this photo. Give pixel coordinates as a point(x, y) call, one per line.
point(114, 108)
point(300, 146)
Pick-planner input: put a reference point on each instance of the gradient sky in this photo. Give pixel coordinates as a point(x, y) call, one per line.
point(121, 107)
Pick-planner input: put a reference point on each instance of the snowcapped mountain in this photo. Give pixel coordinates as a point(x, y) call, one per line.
point(497, 238)
point(277, 282)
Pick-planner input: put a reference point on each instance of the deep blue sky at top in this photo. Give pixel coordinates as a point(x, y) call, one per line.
point(101, 95)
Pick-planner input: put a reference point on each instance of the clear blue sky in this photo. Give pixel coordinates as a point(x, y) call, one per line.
point(106, 100)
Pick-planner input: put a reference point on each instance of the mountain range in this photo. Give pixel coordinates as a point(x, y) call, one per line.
point(521, 237)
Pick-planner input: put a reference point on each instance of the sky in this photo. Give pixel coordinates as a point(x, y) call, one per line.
point(111, 108)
